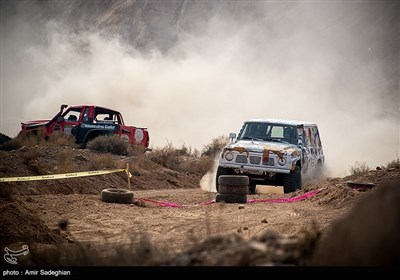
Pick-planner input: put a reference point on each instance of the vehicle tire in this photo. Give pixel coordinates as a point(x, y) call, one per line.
point(233, 180)
point(252, 188)
point(360, 186)
point(231, 198)
point(117, 196)
point(223, 189)
point(292, 181)
point(222, 171)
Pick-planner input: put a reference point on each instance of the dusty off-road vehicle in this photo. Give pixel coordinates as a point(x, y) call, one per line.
point(86, 122)
point(273, 152)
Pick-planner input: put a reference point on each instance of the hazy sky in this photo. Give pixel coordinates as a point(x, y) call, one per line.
point(333, 63)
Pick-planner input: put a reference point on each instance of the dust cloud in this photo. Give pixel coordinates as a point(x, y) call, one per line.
point(332, 63)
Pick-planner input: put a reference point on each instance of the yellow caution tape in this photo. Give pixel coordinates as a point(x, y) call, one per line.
point(62, 176)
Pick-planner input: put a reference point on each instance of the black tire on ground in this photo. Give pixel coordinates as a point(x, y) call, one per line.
point(233, 180)
point(233, 189)
point(117, 196)
point(222, 171)
point(231, 198)
point(361, 186)
point(292, 181)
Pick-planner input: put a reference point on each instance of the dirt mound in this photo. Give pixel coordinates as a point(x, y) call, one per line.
point(19, 225)
point(336, 192)
point(368, 235)
point(381, 176)
point(4, 138)
point(233, 250)
point(46, 160)
point(333, 191)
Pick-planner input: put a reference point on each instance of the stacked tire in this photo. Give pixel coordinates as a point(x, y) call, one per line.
point(117, 196)
point(232, 189)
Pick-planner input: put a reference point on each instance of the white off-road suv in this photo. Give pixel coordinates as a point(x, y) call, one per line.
point(273, 152)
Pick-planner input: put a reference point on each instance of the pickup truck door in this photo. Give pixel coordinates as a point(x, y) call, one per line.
point(70, 119)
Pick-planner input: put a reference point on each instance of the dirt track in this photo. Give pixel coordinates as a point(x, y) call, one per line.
point(49, 214)
point(96, 221)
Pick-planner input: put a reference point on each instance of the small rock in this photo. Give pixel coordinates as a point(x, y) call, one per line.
point(80, 157)
point(241, 207)
point(264, 221)
point(245, 228)
point(23, 149)
point(63, 224)
point(139, 202)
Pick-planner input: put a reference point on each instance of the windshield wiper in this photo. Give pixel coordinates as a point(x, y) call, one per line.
point(277, 140)
point(252, 138)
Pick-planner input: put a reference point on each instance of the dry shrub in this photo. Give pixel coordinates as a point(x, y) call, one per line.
point(359, 168)
point(62, 139)
point(27, 139)
point(215, 146)
point(4, 138)
point(30, 158)
point(394, 164)
point(186, 159)
point(13, 144)
point(103, 161)
point(109, 144)
point(66, 163)
point(136, 150)
point(171, 157)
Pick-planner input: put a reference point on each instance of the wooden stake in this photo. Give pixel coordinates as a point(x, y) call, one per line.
point(127, 174)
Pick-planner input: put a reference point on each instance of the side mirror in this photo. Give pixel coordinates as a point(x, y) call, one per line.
point(232, 136)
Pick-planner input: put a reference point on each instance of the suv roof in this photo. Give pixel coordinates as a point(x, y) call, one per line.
point(279, 121)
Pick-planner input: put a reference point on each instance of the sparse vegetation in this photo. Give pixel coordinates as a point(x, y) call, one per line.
point(394, 164)
point(62, 139)
point(109, 144)
point(173, 158)
point(103, 162)
point(187, 159)
point(215, 146)
point(359, 168)
point(34, 139)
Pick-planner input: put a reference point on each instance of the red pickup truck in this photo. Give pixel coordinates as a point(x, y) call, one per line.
point(86, 122)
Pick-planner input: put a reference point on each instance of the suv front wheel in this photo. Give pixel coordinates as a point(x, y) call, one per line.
point(292, 181)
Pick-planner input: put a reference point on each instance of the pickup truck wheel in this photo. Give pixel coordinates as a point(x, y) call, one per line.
point(222, 171)
point(231, 198)
point(292, 181)
point(117, 196)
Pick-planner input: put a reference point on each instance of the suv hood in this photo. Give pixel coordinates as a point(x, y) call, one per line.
point(261, 147)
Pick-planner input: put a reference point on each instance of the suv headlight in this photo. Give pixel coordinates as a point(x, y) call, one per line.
point(282, 161)
point(229, 156)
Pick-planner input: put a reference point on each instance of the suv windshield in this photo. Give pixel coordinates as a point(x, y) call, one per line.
point(269, 132)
